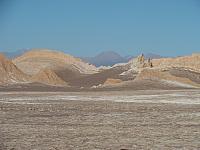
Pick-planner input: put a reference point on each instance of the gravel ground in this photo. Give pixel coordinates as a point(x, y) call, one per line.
point(102, 120)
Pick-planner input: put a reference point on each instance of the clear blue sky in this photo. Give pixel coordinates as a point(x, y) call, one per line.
point(87, 27)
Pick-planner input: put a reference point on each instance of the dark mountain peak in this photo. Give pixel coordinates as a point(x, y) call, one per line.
point(109, 55)
point(106, 58)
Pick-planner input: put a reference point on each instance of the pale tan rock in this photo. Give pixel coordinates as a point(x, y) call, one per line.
point(141, 59)
point(154, 74)
point(186, 62)
point(34, 61)
point(140, 63)
point(9, 73)
point(49, 77)
point(111, 81)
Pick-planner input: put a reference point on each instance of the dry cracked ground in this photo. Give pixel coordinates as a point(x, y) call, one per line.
point(100, 121)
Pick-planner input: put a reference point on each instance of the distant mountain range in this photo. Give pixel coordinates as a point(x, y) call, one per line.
point(106, 58)
point(109, 58)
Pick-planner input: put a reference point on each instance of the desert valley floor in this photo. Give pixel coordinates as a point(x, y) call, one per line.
point(151, 119)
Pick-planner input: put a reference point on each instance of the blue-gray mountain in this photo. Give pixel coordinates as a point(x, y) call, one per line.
point(109, 58)
point(106, 58)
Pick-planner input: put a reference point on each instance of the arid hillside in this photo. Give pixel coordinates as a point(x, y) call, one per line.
point(181, 72)
point(53, 68)
point(187, 62)
point(35, 60)
point(9, 73)
point(48, 76)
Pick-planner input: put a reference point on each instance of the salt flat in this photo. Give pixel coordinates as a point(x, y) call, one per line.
point(150, 119)
point(147, 96)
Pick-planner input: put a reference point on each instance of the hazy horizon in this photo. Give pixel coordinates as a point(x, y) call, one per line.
point(87, 28)
point(20, 51)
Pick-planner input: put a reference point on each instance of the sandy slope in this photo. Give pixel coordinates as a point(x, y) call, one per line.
point(9, 73)
point(33, 61)
point(153, 74)
point(188, 62)
point(48, 76)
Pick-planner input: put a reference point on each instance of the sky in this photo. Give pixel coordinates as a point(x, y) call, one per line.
point(88, 27)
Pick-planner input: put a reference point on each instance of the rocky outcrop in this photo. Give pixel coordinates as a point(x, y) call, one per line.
point(140, 62)
point(141, 59)
point(136, 65)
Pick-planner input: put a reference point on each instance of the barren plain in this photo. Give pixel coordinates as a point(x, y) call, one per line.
point(100, 120)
